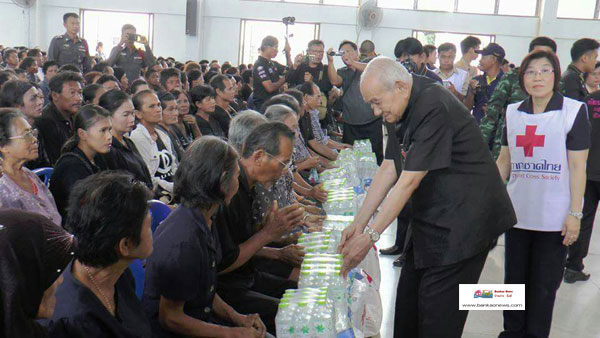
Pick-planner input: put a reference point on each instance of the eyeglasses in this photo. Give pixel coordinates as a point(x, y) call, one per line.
point(287, 166)
point(542, 72)
point(30, 135)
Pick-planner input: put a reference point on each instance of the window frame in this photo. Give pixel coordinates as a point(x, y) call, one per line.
point(150, 21)
point(596, 13)
point(243, 22)
point(455, 10)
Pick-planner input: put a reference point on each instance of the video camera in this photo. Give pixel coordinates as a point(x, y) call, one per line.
point(289, 20)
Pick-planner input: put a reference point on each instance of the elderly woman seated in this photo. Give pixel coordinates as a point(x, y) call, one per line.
point(33, 251)
point(108, 215)
point(19, 187)
point(180, 291)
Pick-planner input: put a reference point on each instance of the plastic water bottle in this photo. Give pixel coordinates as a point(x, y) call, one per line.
point(322, 320)
point(284, 321)
point(303, 320)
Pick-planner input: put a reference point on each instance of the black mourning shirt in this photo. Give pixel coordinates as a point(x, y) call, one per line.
point(70, 168)
point(127, 158)
point(54, 130)
point(80, 314)
point(235, 225)
point(183, 266)
point(572, 84)
point(210, 127)
point(223, 117)
point(305, 126)
point(461, 205)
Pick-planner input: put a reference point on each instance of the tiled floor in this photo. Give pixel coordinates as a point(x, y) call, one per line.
point(576, 312)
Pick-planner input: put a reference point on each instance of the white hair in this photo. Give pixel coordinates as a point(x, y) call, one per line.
point(242, 125)
point(388, 71)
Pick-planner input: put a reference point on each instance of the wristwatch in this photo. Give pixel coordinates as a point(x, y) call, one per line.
point(578, 215)
point(372, 233)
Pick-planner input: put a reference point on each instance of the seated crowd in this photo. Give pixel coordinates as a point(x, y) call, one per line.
point(234, 152)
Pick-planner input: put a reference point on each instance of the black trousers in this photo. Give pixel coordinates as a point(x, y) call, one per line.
point(263, 298)
point(579, 250)
point(427, 299)
point(536, 259)
point(403, 221)
point(372, 131)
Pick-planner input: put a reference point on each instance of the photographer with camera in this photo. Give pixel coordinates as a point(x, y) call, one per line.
point(267, 74)
point(358, 119)
point(482, 86)
point(411, 54)
point(128, 57)
point(310, 67)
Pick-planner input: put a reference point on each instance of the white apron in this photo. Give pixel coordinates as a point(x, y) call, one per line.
point(539, 185)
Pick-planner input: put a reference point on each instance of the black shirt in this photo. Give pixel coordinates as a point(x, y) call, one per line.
point(593, 164)
point(70, 168)
point(264, 70)
point(126, 157)
point(177, 146)
point(577, 138)
point(305, 126)
point(80, 314)
point(461, 205)
point(210, 127)
point(572, 84)
point(319, 75)
point(235, 225)
point(54, 130)
point(183, 266)
point(223, 117)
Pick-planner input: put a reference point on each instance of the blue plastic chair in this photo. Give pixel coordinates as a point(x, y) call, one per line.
point(138, 272)
point(44, 174)
point(159, 212)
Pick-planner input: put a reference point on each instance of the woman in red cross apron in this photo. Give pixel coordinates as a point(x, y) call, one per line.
point(543, 157)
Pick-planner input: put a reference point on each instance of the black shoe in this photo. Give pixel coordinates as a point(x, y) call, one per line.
point(399, 262)
point(393, 250)
point(572, 276)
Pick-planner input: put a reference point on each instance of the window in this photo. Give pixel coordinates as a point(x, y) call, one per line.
point(437, 38)
point(105, 27)
point(476, 6)
point(436, 5)
point(491, 7)
point(253, 31)
point(577, 9)
point(353, 3)
point(518, 7)
point(396, 4)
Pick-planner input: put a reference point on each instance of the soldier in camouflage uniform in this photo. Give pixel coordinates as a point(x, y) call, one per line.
point(507, 91)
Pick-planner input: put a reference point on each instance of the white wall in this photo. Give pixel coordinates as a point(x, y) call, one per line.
point(219, 25)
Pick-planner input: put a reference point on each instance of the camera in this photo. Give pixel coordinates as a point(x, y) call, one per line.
point(338, 53)
point(289, 20)
point(134, 37)
point(410, 66)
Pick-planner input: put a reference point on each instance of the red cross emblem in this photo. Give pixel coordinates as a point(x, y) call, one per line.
point(530, 140)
